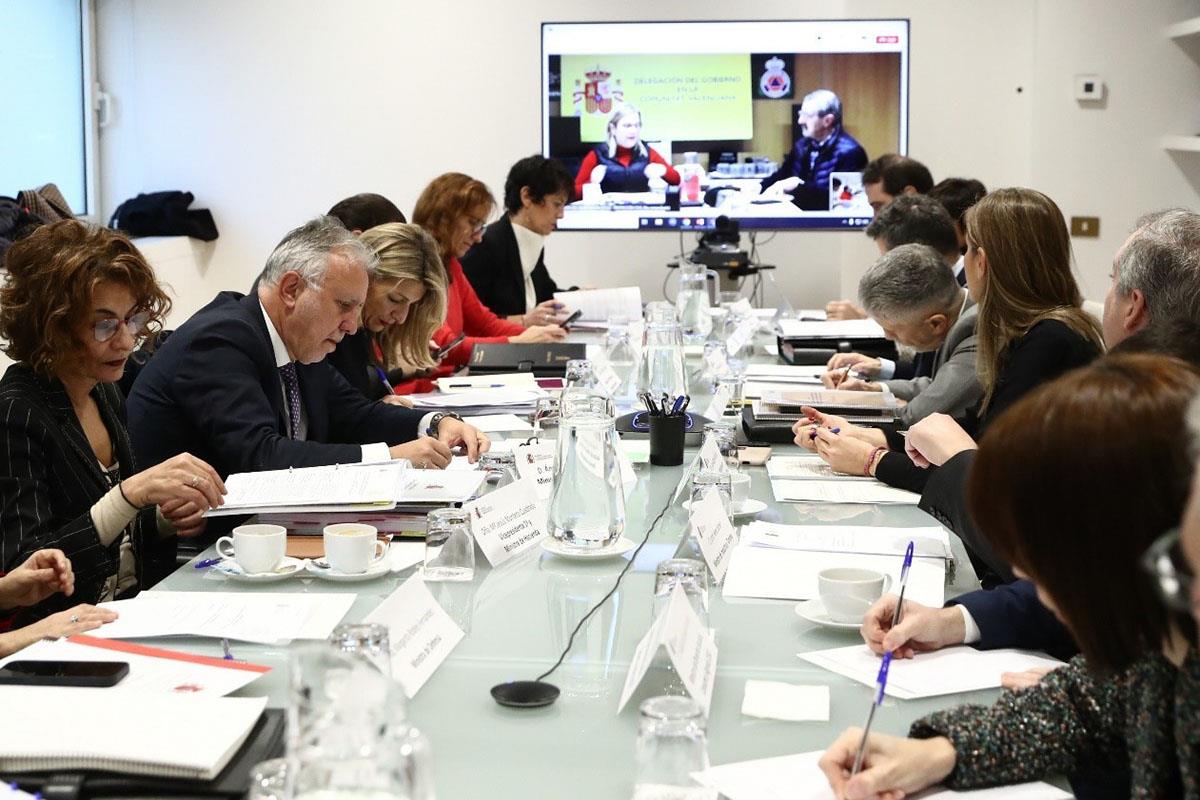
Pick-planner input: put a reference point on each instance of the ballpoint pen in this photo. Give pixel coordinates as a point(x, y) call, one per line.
point(387, 385)
point(678, 406)
point(908, 556)
point(225, 647)
point(208, 562)
point(881, 682)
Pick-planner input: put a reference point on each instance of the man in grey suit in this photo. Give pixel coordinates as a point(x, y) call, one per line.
point(913, 295)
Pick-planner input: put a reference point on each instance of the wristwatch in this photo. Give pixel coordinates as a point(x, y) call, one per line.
point(436, 420)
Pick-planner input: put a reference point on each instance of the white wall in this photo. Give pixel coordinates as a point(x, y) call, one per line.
point(269, 111)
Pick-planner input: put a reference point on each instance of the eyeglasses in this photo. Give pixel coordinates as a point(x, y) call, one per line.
point(105, 329)
point(477, 225)
point(1164, 561)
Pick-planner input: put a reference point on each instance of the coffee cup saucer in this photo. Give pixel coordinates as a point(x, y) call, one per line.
point(321, 569)
point(618, 548)
point(233, 571)
point(814, 611)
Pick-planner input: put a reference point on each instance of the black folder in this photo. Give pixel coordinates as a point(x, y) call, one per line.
point(545, 360)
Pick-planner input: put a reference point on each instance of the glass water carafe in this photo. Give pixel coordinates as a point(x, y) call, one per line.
point(692, 302)
point(587, 502)
point(660, 370)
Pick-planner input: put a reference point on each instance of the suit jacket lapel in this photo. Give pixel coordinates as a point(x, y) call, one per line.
point(511, 257)
point(60, 406)
point(273, 384)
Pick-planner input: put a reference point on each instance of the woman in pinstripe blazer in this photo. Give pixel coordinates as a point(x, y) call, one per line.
point(75, 301)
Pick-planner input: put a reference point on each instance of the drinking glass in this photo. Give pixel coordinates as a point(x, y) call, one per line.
point(272, 780)
point(545, 414)
point(579, 374)
point(705, 481)
point(725, 436)
point(672, 743)
point(364, 640)
point(449, 546)
point(689, 573)
point(735, 386)
point(501, 468)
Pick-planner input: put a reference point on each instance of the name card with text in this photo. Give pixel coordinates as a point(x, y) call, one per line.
point(714, 531)
point(420, 631)
point(536, 462)
point(720, 402)
point(691, 649)
point(507, 521)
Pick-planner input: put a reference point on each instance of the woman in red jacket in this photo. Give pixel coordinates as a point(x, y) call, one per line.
point(454, 208)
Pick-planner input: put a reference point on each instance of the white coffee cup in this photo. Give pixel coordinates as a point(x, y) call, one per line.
point(255, 548)
point(847, 592)
point(353, 547)
point(739, 489)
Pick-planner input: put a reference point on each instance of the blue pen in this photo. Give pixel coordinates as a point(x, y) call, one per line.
point(678, 406)
point(813, 433)
point(208, 562)
point(383, 378)
point(225, 647)
point(908, 555)
point(881, 682)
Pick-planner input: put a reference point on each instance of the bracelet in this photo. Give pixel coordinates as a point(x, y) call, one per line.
point(125, 497)
point(871, 460)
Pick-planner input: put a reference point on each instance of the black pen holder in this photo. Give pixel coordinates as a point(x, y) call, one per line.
point(666, 440)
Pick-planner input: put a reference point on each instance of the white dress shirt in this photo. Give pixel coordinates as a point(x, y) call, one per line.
point(529, 246)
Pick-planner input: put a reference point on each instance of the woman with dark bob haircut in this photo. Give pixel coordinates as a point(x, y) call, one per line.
point(1071, 485)
point(75, 302)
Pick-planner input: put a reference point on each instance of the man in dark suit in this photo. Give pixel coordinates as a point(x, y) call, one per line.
point(507, 268)
point(245, 381)
point(824, 148)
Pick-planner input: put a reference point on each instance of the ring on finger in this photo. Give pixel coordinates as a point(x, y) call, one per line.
point(74, 618)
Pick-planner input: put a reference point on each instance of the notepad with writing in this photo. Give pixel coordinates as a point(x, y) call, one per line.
point(173, 737)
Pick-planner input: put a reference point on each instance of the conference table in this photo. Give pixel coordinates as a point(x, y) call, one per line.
point(517, 618)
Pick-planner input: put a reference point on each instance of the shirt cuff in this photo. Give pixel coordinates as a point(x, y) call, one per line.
point(971, 633)
point(887, 368)
point(376, 452)
point(423, 425)
point(111, 514)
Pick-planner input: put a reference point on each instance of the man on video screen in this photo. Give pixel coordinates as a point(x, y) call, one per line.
point(823, 149)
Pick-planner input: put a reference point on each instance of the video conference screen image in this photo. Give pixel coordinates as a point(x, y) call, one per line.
point(667, 126)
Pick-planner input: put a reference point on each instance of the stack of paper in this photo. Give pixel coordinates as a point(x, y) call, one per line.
point(499, 423)
point(832, 329)
point(340, 487)
point(872, 491)
point(799, 777)
point(430, 488)
point(953, 670)
point(268, 618)
point(174, 736)
point(500, 400)
point(152, 670)
point(469, 383)
point(806, 468)
point(929, 542)
point(858, 407)
point(785, 574)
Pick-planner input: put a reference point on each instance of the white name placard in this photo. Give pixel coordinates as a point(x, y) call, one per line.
point(691, 649)
point(420, 632)
point(507, 521)
point(714, 531)
point(536, 462)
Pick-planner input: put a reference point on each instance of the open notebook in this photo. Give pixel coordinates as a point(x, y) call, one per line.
point(190, 737)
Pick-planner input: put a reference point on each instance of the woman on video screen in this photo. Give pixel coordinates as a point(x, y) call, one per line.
point(623, 163)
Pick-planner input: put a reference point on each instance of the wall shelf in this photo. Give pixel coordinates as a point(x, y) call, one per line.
point(1183, 143)
point(1188, 27)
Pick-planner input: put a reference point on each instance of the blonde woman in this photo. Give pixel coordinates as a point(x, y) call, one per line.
point(406, 302)
point(623, 162)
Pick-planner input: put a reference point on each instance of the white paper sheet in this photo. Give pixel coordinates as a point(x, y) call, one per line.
point(478, 397)
point(405, 554)
point(786, 701)
point(440, 486)
point(806, 468)
point(336, 485)
point(841, 492)
point(420, 632)
point(601, 305)
point(152, 670)
point(498, 423)
point(267, 618)
point(467, 383)
point(784, 372)
point(952, 670)
point(831, 329)
point(797, 777)
point(792, 574)
point(932, 541)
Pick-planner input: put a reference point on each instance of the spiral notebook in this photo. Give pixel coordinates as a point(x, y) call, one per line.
point(174, 737)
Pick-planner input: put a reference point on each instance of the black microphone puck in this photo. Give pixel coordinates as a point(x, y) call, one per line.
point(525, 694)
